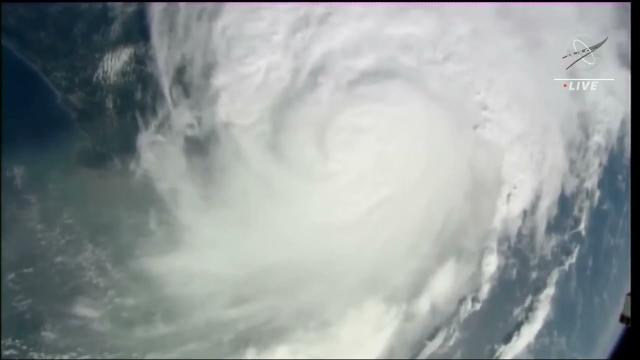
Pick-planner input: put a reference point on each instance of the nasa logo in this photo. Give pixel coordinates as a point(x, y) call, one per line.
point(582, 58)
point(586, 56)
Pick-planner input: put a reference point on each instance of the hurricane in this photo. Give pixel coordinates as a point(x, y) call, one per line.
point(355, 180)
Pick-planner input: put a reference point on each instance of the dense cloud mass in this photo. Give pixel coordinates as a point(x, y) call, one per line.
point(330, 180)
point(359, 165)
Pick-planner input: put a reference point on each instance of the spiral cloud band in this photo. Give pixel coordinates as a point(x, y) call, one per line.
point(343, 176)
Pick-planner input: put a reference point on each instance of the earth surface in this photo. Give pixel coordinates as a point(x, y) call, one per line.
point(492, 219)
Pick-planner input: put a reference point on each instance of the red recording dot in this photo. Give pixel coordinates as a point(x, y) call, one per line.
point(564, 85)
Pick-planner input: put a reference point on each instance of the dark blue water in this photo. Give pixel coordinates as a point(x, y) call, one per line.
point(32, 117)
point(48, 262)
point(39, 137)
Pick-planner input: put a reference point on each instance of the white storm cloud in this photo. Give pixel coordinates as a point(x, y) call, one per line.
point(367, 161)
